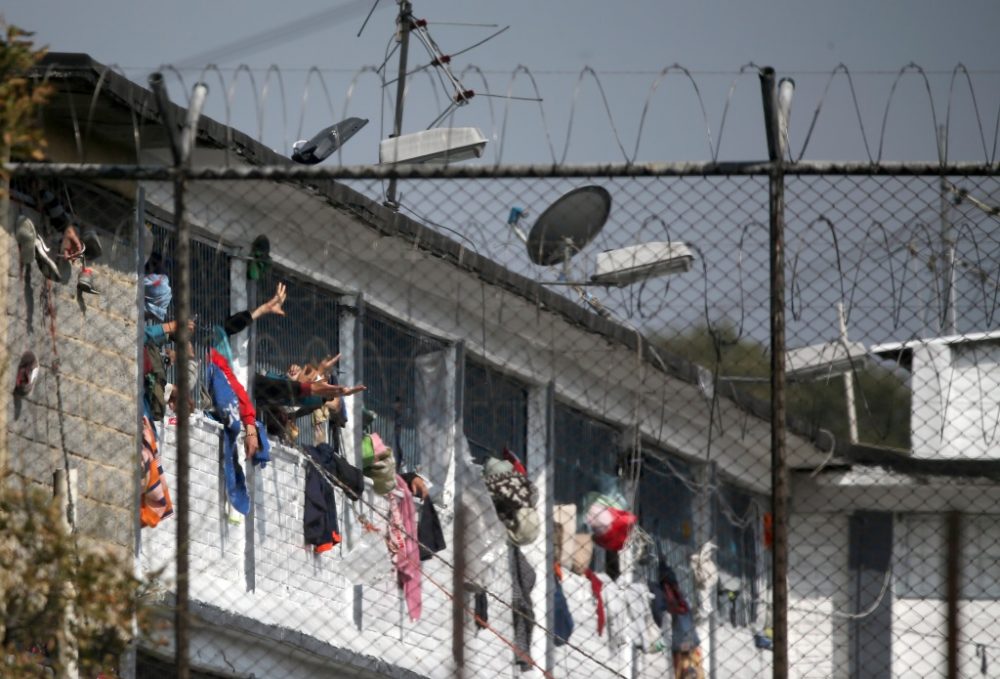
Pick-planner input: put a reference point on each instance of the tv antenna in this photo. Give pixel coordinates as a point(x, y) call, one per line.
point(453, 145)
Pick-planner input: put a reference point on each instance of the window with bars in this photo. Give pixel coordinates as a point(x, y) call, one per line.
point(666, 512)
point(586, 461)
point(494, 413)
point(210, 289)
point(390, 374)
point(737, 519)
point(307, 333)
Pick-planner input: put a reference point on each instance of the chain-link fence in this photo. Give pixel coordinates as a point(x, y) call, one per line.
point(724, 420)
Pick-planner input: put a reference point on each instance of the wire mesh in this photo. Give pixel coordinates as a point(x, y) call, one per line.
point(638, 539)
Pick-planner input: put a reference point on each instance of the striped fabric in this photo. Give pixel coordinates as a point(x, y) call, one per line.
point(156, 504)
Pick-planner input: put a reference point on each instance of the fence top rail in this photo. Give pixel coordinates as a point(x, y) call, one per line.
point(312, 172)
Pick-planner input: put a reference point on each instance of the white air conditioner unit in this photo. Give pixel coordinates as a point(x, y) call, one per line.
point(437, 145)
point(639, 262)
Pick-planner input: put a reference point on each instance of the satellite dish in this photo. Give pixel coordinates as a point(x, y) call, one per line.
point(568, 225)
point(326, 141)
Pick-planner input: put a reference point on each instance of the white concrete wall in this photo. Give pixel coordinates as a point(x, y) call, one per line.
point(504, 329)
point(820, 586)
point(303, 592)
point(956, 407)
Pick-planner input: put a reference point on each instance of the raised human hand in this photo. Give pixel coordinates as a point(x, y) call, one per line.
point(326, 365)
point(273, 305)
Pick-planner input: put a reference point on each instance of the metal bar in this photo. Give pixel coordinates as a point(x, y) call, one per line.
point(182, 337)
point(457, 171)
point(459, 527)
point(779, 466)
point(127, 665)
point(405, 21)
point(249, 544)
point(852, 411)
point(358, 415)
point(550, 495)
point(953, 565)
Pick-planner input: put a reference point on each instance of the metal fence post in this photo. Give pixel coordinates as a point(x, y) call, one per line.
point(779, 468)
point(182, 336)
point(953, 566)
point(181, 146)
point(459, 527)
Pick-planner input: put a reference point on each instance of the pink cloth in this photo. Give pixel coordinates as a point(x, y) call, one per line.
point(403, 545)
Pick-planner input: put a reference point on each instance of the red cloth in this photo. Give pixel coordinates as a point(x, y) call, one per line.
point(514, 461)
point(247, 413)
point(596, 586)
point(613, 539)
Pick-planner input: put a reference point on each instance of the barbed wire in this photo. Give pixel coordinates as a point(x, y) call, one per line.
point(956, 98)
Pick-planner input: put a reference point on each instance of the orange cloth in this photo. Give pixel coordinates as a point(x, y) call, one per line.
point(156, 504)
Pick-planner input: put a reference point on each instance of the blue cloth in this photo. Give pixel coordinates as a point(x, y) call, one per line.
point(153, 335)
point(220, 342)
point(563, 620)
point(226, 410)
point(157, 294)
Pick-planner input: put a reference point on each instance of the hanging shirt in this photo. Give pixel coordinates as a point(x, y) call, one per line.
point(319, 512)
point(401, 540)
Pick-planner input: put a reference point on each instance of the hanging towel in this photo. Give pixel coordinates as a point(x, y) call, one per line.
point(403, 546)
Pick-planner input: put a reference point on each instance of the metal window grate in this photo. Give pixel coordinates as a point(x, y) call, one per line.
point(390, 349)
point(210, 290)
point(586, 456)
point(308, 332)
point(494, 413)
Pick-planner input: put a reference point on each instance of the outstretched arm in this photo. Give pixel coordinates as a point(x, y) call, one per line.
point(241, 320)
point(273, 305)
point(328, 391)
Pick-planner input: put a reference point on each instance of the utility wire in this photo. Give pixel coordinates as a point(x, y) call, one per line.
point(290, 31)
